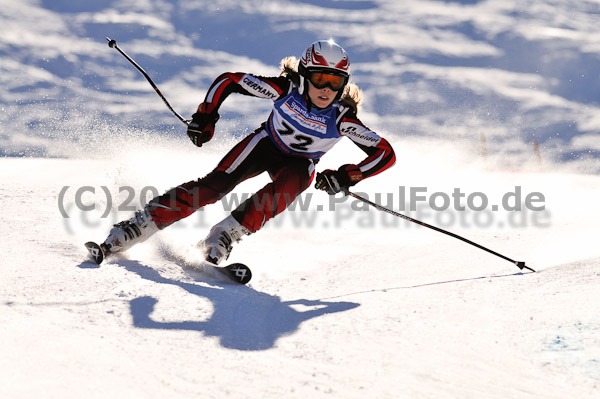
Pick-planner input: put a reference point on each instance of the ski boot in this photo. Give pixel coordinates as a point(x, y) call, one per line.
point(220, 239)
point(126, 234)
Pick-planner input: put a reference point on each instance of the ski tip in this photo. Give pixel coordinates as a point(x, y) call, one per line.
point(239, 272)
point(95, 251)
point(521, 265)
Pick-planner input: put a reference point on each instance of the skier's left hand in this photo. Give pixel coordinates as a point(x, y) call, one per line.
point(335, 181)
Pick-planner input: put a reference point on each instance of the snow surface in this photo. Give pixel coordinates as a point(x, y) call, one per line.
point(347, 303)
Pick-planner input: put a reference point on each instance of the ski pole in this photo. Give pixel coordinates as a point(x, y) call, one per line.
point(519, 264)
point(113, 44)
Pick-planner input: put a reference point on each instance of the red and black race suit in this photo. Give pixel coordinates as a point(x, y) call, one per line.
point(287, 146)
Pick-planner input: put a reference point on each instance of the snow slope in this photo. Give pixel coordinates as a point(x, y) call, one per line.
point(357, 310)
point(513, 72)
point(345, 301)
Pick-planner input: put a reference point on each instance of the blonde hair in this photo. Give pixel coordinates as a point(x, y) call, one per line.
point(352, 95)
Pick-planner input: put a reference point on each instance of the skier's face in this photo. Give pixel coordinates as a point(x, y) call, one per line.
point(321, 98)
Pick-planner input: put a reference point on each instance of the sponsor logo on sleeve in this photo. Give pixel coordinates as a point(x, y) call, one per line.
point(359, 132)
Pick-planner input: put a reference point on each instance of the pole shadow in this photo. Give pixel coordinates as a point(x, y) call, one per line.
point(429, 284)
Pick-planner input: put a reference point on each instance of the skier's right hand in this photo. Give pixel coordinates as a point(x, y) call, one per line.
point(202, 127)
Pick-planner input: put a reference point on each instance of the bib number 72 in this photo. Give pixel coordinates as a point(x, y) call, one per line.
point(302, 141)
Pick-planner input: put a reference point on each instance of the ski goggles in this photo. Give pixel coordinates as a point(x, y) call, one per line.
point(321, 80)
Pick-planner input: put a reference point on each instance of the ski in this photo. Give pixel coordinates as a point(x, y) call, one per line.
point(96, 252)
point(237, 272)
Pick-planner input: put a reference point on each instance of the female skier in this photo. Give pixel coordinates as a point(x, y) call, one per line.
point(314, 107)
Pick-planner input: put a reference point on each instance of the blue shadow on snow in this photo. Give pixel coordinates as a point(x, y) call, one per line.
point(243, 318)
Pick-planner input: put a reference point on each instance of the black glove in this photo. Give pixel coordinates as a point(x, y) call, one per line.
point(335, 181)
point(202, 127)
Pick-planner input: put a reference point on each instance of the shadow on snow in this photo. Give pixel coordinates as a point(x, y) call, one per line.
point(242, 319)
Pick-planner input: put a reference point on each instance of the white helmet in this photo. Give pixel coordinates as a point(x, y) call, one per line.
point(326, 57)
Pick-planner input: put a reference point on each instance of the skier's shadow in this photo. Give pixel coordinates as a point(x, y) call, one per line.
point(243, 318)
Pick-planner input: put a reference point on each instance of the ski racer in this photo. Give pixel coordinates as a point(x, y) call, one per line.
point(314, 106)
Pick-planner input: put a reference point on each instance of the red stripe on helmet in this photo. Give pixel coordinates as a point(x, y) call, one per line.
point(317, 58)
point(343, 64)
